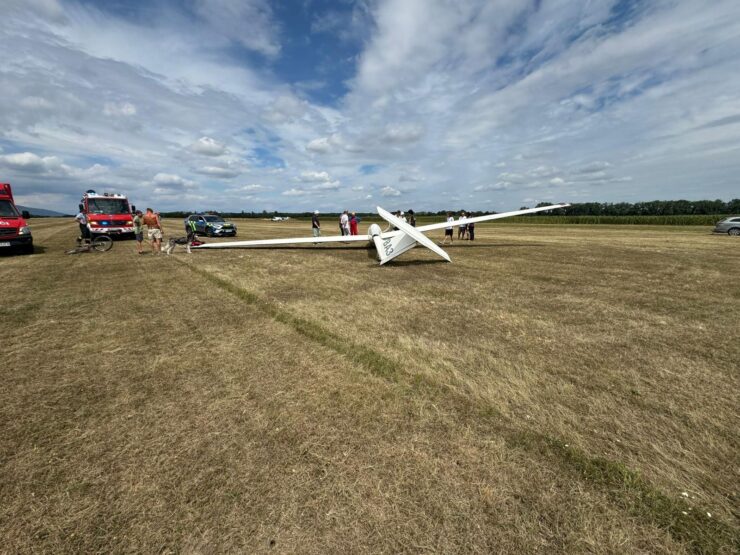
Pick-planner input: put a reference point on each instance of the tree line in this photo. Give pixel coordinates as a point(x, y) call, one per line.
point(649, 208)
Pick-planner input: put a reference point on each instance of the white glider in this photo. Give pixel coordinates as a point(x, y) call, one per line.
point(388, 244)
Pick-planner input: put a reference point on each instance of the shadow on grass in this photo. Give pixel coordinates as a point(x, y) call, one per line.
point(7, 252)
point(418, 262)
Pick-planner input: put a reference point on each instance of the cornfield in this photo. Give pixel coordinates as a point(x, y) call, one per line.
point(683, 219)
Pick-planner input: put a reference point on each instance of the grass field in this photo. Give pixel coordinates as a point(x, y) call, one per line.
point(568, 389)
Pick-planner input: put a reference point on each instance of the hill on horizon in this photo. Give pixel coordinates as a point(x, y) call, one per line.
point(41, 212)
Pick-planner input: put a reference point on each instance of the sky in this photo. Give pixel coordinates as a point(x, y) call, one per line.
point(300, 105)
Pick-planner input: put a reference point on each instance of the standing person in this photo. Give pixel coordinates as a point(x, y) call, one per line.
point(353, 221)
point(448, 230)
point(344, 223)
point(139, 231)
point(81, 218)
point(471, 231)
point(463, 228)
point(154, 230)
point(315, 224)
point(412, 218)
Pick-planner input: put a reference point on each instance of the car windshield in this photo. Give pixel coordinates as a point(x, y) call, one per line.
point(107, 206)
point(7, 209)
point(213, 218)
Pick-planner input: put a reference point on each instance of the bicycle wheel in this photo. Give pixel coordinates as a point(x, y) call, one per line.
point(102, 243)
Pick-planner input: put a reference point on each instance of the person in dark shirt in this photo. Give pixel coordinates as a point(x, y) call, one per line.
point(471, 231)
point(315, 224)
point(412, 218)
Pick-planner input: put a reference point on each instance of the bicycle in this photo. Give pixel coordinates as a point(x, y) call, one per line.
point(100, 243)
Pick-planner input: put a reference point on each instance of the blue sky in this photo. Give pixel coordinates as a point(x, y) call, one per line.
point(347, 104)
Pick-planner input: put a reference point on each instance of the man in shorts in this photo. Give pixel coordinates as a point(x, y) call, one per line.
point(448, 230)
point(155, 230)
point(139, 231)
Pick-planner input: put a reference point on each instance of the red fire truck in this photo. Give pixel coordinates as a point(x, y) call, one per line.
point(14, 230)
point(107, 213)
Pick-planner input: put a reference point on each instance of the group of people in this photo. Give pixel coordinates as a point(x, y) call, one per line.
point(465, 231)
point(348, 223)
point(409, 217)
point(150, 220)
point(154, 230)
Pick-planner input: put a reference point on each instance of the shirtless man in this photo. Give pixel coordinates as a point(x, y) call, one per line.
point(151, 220)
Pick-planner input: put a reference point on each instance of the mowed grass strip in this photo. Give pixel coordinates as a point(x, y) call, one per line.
point(617, 340)
point(625, 487)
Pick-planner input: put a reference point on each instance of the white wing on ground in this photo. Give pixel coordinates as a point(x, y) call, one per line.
point(289, 241)
point(489, 217)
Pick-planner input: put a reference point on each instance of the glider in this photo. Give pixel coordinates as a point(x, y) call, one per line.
point(388, 244)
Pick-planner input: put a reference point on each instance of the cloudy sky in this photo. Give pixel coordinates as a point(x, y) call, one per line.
point(318, 104)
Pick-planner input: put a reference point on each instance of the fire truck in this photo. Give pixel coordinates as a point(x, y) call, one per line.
point(107, 213)
point(14, 230)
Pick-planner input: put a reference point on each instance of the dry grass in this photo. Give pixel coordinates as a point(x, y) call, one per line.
point(553, 390)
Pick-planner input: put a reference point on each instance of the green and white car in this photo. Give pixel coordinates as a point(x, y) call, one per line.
point(211, 225)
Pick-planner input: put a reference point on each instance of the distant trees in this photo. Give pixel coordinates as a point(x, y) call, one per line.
point(649, 208)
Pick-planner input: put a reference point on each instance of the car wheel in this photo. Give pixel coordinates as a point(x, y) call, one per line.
point(27, 249)
point(735, 232)
point(209, 233)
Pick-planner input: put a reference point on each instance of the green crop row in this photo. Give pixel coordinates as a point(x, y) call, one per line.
point(686, 219)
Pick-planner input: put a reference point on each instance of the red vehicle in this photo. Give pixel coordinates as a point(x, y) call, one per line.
point(14, 230)
point(107, 213)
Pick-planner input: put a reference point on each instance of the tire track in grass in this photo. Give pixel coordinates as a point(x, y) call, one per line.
point(626, 488)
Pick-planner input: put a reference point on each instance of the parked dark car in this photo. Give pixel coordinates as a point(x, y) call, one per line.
point(211, 225)
point(730, 225)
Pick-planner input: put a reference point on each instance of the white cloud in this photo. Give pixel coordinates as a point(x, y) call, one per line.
point(285, 109)
point(36, 103)
point(314, 176)
point(248, 22)
point(388, 191)
point(320, 145)
point(218, 171)
point(403, 132)
point(124, 109)
point(294, 192)
point(593, 167)
point(30, 162)
point(169, 181)
point(52, 166)
point(254, 188)
point(208, 147)
point(326, 186)
point(512, 177)
point(499, 186)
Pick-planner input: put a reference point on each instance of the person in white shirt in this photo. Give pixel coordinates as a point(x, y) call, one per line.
point(81, 218)
point(463, 229)
point(448, 230)
point(344, 223)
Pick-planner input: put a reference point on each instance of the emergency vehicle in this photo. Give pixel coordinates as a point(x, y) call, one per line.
point(14, 230)
point(107, 213)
